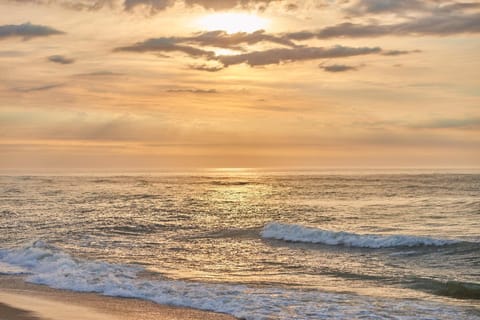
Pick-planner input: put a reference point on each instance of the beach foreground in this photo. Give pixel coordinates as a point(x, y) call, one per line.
point(24, 301)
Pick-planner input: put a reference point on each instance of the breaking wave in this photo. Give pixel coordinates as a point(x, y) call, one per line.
point(45, 264)
point(298, 233)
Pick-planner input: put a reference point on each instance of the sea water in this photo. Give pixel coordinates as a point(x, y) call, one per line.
point(254, 244)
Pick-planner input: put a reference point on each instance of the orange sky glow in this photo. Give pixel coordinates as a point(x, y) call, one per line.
point(162, 84)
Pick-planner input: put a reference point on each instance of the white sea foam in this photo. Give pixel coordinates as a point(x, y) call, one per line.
point(298, 233)
point(50, 266)
point(8, 269)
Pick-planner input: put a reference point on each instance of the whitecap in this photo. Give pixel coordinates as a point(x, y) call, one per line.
point(299, 233)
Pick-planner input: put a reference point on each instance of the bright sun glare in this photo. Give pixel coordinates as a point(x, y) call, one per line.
point(233, 22)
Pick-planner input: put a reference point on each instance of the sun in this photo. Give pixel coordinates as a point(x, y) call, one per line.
point(233, 22)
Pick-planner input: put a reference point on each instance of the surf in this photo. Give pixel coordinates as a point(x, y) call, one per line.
point(299, 233)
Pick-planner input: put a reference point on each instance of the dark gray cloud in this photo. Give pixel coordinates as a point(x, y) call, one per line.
point(431, 7)
point(37, 88)
point(194, 46)
point(385, 6)
point(90, 5)
point(276, 56)
point(151, 6)
point(27, 31)
point(154, 6)
point(222, 39)
point(399, 52)
point(254, 58)
point(205, 67)
point(437, 25)
point(218, 39)
point(227, 4)
point(301, 35)
point(359, 7)
point(61, 59)
point(338, 68)
point(166, 45)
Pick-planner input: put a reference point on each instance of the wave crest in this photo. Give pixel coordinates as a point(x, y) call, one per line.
point(298, 233)
point(454, 289)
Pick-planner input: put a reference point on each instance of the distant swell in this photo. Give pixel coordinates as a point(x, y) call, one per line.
point(298, 233)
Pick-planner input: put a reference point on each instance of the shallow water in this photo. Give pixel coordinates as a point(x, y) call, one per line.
point(257, 245)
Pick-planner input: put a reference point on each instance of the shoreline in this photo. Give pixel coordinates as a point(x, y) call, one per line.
point(20, 300)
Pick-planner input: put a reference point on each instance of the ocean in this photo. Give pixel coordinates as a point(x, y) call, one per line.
point(254, 244)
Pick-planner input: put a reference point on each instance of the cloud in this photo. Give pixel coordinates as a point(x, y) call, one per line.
point(217, 5)
point(208, 68)
point(385, 6)
point(165, 45)
point(301, 35)
point(338, 68)
point(37, 88)
point(446, 123)
point(222, 39)
point(102, 73)
point(151, 6)
point(227, 4)
point(435, 25)
point(276, 56)
point(461, 6)
point(90, 5)
point(154, 6)
point(253, 58)
point(359, 7)
point(291, 7)
point(61, 59)
point(196, 91)
point(432, 7)
point(194, 46)
point(27, 31)
point(399, 52)
point(218, 39)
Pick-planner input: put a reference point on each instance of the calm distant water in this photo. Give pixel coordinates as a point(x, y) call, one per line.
point(257, 245)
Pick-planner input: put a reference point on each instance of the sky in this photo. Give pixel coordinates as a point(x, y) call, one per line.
point(162, 84)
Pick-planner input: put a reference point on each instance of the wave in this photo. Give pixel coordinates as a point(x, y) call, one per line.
point(298, 233)
point(48, 265)
point(459, 290)
point(453, 289)
point(8, 269)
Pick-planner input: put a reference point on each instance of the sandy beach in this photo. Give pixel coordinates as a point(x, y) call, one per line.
point(24, 301)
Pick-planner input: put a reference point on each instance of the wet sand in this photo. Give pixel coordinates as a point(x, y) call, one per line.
point(7, 312)
point(23, 301)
